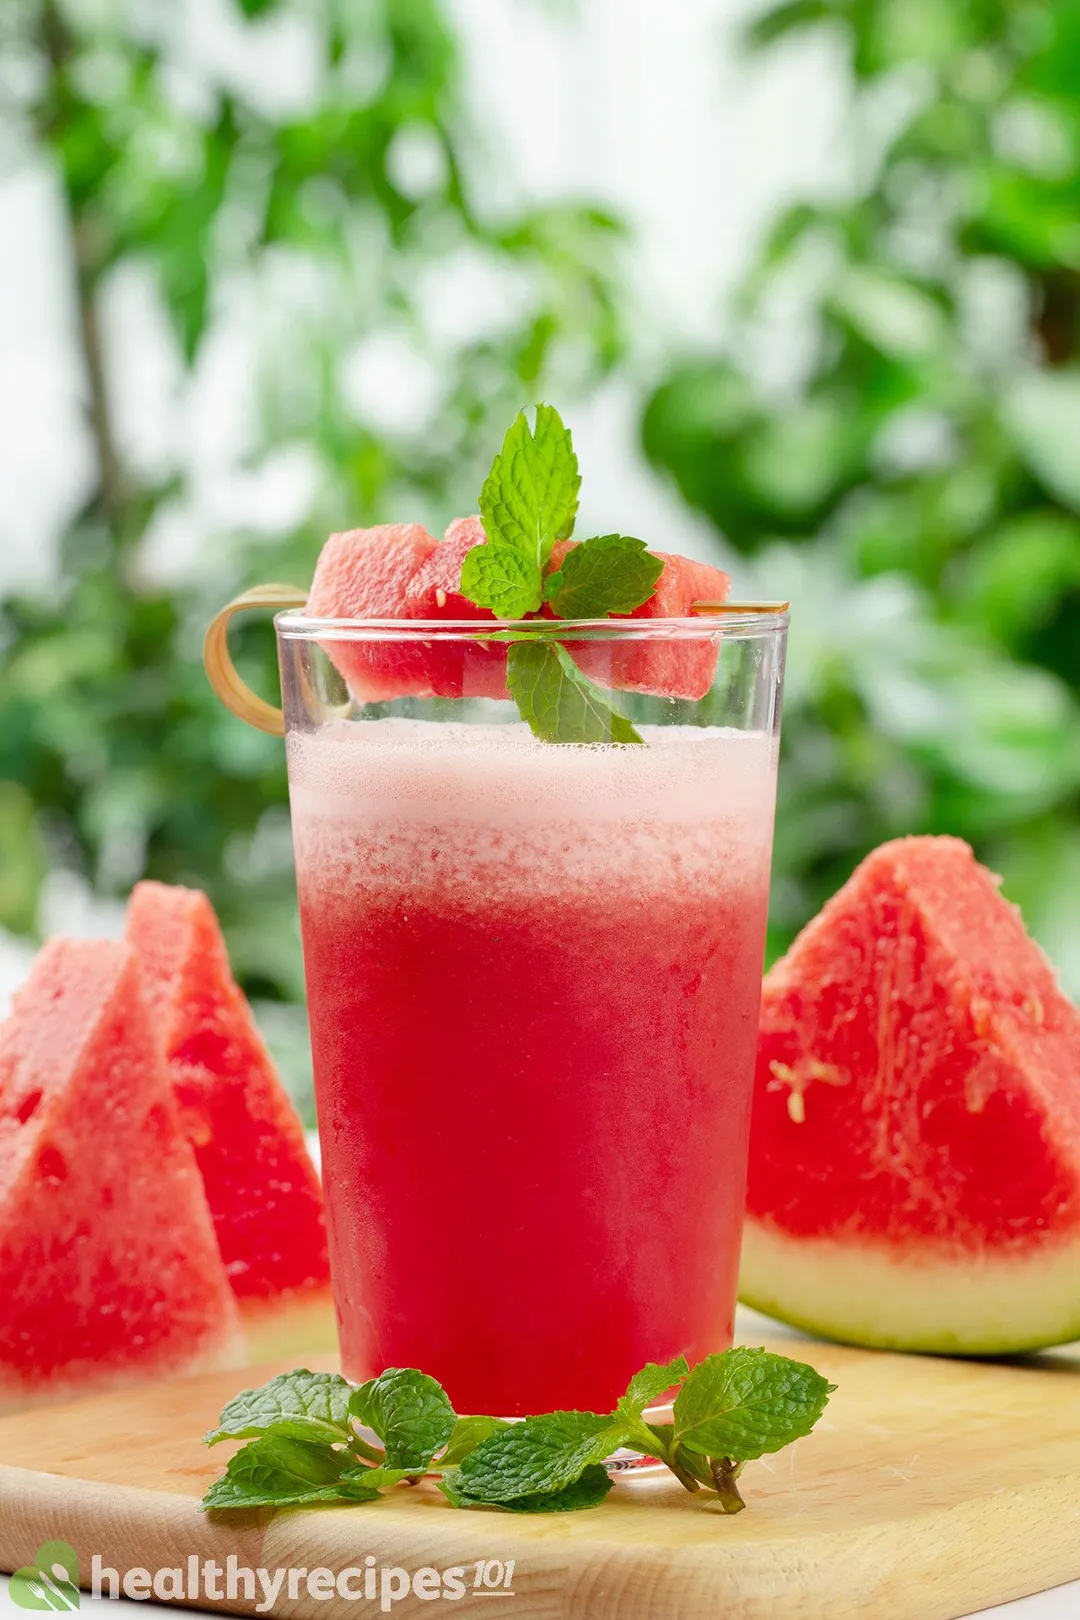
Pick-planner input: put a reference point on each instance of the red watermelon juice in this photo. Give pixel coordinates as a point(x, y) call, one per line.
point(533, 977)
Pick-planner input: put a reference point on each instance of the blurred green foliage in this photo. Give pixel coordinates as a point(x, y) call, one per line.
point(115, 758)
point(892, 439)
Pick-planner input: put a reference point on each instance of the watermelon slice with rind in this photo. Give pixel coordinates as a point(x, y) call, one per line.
point(261, 1184)
point(364, 574)
point(109, 1265)
point(915, 1151)
point(682, 667)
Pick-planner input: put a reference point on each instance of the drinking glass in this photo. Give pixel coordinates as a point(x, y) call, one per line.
point(533, 978)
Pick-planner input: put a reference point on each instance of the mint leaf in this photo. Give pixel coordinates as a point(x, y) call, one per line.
point(279, 1471)
point(467, 1435)
point(305, 1405)
point(529, 499)
point(499, 577)
point(542, 1455)
point(373, 1479)
point(589, 1490)
point(649, 1384)
point(409, 1412)
point(744, 1403)
point(612, 573)
point(558, 702)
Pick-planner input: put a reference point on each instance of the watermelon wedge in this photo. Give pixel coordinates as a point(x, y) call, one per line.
point(915, 1149)
point(434, 592)
point(363, 574)
point(262, 1188)
point(109, 1265)
point(673, 669)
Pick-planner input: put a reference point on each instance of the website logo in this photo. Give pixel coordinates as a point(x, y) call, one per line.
point(50, 1582)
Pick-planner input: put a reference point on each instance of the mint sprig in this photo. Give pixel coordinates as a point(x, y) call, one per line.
point(529, 500)
point(304, 1445)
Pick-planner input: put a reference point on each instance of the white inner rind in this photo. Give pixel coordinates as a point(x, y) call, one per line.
point(298, 1326)
point(981, 1304)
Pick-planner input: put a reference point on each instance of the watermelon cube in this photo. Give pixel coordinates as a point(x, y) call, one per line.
point(109, 1263)
point(261, 1184)
point(399, 571)
point(676, 668)
point(463, 669)
point(915, 1149)
point(363, 574)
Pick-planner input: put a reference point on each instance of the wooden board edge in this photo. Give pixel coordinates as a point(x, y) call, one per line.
point(937, 1565)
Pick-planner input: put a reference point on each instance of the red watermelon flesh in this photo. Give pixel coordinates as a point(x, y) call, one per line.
point(915, 1152)
point(262, 1187)
point(364, 574)
point(679, 668)
point(109, 1266)
point(434, 592)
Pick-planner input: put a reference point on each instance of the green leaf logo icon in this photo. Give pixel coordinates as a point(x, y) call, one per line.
point(50, 1582)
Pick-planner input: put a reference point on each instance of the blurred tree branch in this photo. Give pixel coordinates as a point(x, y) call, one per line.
point(88, 258)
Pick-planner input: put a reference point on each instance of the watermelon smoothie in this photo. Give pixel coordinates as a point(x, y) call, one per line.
point(533, 978)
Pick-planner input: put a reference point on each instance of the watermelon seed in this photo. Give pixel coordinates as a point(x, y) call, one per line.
point(28, 1107)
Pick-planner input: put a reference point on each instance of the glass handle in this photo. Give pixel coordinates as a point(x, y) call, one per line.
point(220, 669)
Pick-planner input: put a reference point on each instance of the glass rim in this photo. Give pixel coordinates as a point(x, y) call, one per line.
point(296, 625)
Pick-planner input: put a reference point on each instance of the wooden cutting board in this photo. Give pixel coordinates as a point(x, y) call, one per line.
point(931, 1489)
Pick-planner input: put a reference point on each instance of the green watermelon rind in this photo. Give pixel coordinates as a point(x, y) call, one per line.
point(1037, 1293)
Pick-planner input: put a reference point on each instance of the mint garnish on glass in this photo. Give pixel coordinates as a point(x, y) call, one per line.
point(305, 1447)
point(528, 502)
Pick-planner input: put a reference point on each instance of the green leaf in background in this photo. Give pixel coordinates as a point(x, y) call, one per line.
point(301, 1404)
point(529, 499)
point(297, 219)
point(889, 439)
point(409, 1412)
point(23, 859)
point(280, 1471)
point(1042, 414)
point(612, 573)
point(502, 578)
point(899, 319)
point(557, 701)
point(744, 1403)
